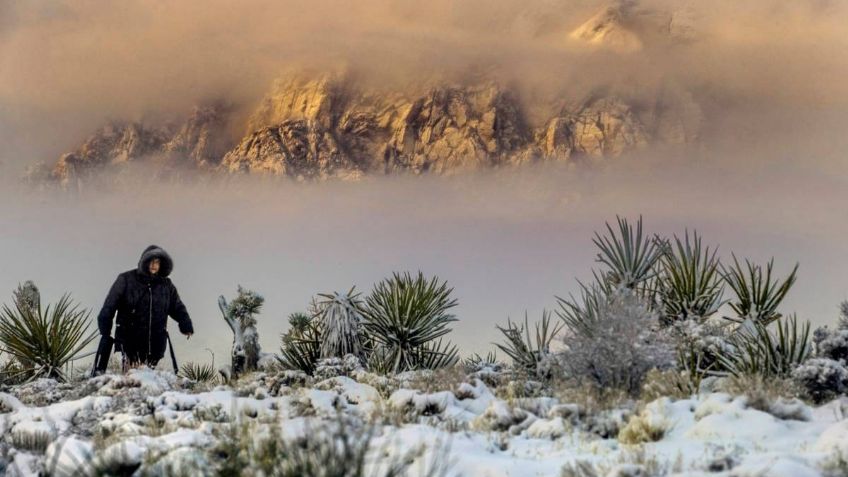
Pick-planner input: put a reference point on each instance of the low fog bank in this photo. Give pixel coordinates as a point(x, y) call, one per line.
point(507, 241)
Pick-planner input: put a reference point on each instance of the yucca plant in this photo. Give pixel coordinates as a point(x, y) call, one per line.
point(436, 355)
point(689, 283)
point(201, 373)
point(581, 314)
point(301, 345)
point(43, 341)
point(477, 361)
point(758, 293)
point(525, 350)
point(405, 313)
point(340, 318)
point(756, 350)
point(628, 255)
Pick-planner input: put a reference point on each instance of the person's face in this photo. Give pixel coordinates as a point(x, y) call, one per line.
point(154, 266)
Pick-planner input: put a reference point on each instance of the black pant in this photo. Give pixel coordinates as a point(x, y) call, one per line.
point(133, 357)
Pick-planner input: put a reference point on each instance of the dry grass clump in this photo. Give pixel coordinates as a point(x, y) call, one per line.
point(761, 392)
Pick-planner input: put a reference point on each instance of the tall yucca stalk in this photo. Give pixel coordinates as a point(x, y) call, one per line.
point(758, 293)
point(43, 341)
point(759, 351)
point(404, 313)
point(340, 318)
point(628, 255)
point(689, 284)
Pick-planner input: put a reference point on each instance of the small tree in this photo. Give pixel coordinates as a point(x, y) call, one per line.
point(240, 316)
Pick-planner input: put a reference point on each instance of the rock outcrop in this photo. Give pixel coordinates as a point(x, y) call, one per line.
point(330, 127)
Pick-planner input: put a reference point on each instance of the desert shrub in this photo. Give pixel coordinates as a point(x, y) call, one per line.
point(301, 344)
point(477, 362)
point(629, 256)
point(339, 448)
point(339, 316)
point(758, 293)
point(689, 284)
point(404, 316)
point(831, 344)
point(756, 350)
point(43, 341)
point(201, 373)
point(529, 353)
point(671, 383)
point(623, 345)
point(699, 345)
point(640, 430)
point(822, 378)
point(761, 391)
point(332, 367)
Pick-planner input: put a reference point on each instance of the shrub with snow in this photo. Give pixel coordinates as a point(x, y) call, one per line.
point(831, 344)
point(822, 378)
point(623, 345)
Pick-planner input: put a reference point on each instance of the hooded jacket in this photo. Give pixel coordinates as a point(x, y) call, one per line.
point(143, 303)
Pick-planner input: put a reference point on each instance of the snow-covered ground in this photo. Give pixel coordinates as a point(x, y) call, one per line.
point(159, 424)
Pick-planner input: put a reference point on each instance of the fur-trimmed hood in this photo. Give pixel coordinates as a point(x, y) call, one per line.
point(166, 264)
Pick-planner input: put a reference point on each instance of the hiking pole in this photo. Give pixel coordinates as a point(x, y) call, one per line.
point(173, 356)
point(101, 358)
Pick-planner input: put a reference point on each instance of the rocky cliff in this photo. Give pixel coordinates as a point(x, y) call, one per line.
point(329, 125)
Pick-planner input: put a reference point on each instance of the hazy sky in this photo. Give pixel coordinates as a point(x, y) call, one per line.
point(769, 180)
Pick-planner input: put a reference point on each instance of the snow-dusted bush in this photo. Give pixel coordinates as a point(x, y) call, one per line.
point(831, 344)
point(622, 345)
point(406, 316)
point(699, 345)
point(822, 378)
point(339, 316)
point(333, 367)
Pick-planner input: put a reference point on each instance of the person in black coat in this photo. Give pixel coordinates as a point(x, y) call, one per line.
point(143, 299)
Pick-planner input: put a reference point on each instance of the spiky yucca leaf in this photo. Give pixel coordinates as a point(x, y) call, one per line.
point(44, 340)
point(689, 284)
point(403, 313)
point(580, 315)
point(476, 360)
point(758, 351)
point(525, 350)
point(435, 355)
point(201, 373)
point(758, 294)
point(628, 255)
point(301, 345)
point(340, 318)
